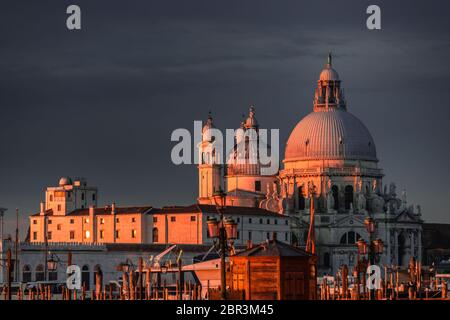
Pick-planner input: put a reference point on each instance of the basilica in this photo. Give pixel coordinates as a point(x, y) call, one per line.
point(331, 160)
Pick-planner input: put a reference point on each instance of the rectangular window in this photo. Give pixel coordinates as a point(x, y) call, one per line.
point(261, 221)
point(238, 220)
point(155, 219)
point(34, 221)
point(49, 222)
point(268, 221)
point(72, 221)
point(86, 220)
point(257, 185)
point(286, 222)
point(82, 196)
point(286, 236)
point(117, 234)
point(102, 234)
point(93, 197)
point(268, 235)
point(172, 219)
point(102, 221)
point(34, 235)
point(192, 218)
point(117, 220)
point(59, 207)
point(133, 233)
point(275, 221)
point(250, 220)
point(133, 219)
point(49, 235)
point(238, 235)
point(72, 235)
point(249, 235)
point(58, 227)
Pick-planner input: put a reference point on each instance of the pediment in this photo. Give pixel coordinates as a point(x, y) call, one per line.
point(349, 221)
point(405, 216)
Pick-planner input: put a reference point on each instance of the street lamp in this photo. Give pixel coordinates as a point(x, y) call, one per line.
point(370, 225)
point(378, 244)
point(230, 228)
point(362, 246)
point(223, 230)
point(375, 246)
point(52, 264)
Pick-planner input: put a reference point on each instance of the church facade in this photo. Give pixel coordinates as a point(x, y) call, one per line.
point(331, 154)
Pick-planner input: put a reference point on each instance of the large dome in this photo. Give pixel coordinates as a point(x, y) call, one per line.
point(330, 134)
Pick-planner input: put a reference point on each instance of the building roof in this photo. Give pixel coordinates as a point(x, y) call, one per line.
point(330, 134)
point(107, 210)
point(436, 236)
point(102, 211)
point(203, 208)
point(274, 248)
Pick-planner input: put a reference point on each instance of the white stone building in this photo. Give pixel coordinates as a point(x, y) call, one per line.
point(333, 151)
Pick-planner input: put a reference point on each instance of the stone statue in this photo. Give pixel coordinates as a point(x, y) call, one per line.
point(361, 202)
point(360, 185)
point(374, 186)
point(377, 204)
point(404, 196)
point(330, 199)
point(392, 190)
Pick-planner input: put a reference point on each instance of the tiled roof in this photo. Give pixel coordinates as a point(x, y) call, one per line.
point(138, 247)
point(107, 210)
point(274, 248)
point(228, 210)
point(47, 213)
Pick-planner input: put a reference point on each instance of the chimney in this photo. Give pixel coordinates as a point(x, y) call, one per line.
point(249, 244)
point(42, 212)
point(92, 224)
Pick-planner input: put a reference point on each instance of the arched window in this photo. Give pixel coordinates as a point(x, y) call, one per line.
point(155, 235)
point(53, 275)
point(350, 237)
point(26, 273)
point(335, 191)
point(40, 274)
point(85, 277)
point(301, 199)
point(348, 197)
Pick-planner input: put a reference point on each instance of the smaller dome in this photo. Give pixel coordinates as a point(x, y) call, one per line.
point(329, 74)
point(64, 181)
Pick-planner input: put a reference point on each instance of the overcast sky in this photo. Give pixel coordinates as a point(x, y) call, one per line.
point(101, 103)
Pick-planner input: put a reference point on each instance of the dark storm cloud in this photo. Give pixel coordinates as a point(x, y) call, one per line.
point(102, 102)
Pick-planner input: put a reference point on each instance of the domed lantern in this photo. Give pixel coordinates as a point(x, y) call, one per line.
point(231, 228)
point(213, 227)
point(362, 246)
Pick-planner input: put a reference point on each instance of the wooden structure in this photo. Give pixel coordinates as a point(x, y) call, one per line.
point(274, 270)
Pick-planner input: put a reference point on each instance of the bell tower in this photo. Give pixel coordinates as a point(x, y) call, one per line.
point(210, 167)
